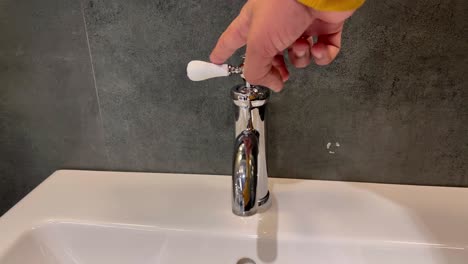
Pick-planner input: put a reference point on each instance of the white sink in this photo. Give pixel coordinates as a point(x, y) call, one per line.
point(86, 217)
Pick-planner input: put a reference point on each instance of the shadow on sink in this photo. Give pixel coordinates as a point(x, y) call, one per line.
point(267, 232)
point(268, 225)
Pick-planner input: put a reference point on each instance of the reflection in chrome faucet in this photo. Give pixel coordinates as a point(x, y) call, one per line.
point(245, 177)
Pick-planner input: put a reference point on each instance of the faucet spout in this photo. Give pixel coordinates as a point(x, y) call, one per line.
point(245, 173)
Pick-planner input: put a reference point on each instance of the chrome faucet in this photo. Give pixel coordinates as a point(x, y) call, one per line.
point(249, 168)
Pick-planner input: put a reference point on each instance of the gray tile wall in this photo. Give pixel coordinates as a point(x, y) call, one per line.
point(100, 84)
point(49, 116)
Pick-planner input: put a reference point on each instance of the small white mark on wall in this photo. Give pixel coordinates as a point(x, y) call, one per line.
point(19, 51)
point(332, 146)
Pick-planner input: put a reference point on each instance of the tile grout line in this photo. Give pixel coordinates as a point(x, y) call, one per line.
point(106, 151)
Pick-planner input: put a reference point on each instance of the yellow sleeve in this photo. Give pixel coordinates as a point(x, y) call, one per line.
point(333, 5)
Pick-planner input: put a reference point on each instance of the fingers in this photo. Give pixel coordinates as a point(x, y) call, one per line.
point(262, 71)
point(299, 53)
point(325, 50)
point(259, 69)
point(272, 71)
point(260, 62)
point(280, 65)
point(233, 38)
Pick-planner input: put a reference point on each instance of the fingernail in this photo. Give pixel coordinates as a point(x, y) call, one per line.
point(318, 55)
point(301, 53)
point(215, 59)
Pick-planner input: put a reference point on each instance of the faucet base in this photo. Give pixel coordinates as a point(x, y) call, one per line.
point(264, 203)
point(264, 200)
point(244, 213)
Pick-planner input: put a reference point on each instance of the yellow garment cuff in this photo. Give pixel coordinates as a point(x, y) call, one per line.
point(333, 5)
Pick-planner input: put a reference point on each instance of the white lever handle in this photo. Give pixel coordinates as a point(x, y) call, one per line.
point(202, 70)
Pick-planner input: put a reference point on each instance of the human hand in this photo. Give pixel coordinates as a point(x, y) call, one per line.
point(268, 27)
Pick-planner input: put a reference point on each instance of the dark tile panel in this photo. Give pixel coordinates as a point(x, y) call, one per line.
point(49, 116)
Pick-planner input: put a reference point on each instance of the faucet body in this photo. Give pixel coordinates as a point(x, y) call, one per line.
point(249, 168)
point(249, 172)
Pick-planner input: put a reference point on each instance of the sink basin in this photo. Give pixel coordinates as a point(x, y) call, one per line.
point(88, 217)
